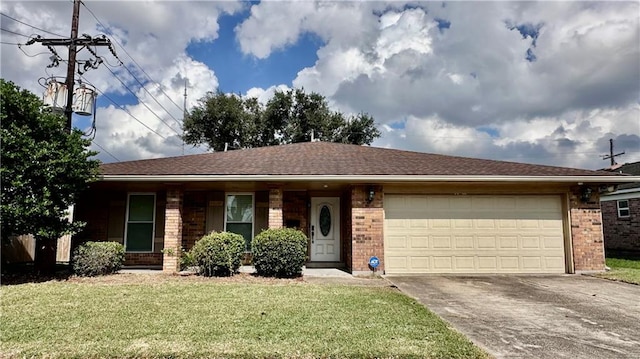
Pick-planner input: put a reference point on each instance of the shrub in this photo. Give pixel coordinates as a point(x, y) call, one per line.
point(279, 252)
point(218, 254)
point(98, 258)
point(186, 259)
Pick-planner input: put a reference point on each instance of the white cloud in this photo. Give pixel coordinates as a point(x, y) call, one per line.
point(155, 35)
point(468, 89)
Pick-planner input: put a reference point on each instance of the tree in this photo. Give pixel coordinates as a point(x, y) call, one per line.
point(288, 117)
point(44, 168)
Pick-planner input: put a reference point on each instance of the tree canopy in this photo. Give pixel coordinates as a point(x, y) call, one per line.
point(293, 116)
point(44, 167)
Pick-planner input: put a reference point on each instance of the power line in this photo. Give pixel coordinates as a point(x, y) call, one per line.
point(9, 43)
point(105, 151)
point(34, 27)
point(15, 33)
point(142, 102)
point(132, 59)
point(153, 97)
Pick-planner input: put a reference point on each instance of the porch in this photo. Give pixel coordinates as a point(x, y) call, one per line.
point(344, 222)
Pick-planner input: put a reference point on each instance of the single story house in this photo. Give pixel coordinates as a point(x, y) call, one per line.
point(416, 212)
point(621, 213)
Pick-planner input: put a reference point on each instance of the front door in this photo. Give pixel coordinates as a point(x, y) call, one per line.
point(325, 229)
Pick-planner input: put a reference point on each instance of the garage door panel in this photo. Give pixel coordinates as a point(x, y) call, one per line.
point(484, 234)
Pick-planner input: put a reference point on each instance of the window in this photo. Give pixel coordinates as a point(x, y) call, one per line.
point(239, 216)
point(623, 208)
point(140, 223)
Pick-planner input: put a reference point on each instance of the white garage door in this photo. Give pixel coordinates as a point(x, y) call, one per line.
point(473, 234)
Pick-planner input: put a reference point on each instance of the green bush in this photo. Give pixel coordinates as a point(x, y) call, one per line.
point(186, 259)
point(218, 254)
point(98, 258)
point(279, 252)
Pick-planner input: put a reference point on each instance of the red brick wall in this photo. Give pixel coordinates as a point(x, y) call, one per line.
point(295, 208)
point(143, 259)
point(367, 226)
point(93, 209)
point(193, 218)
point(586, 231)
point(621, 233)
point(345, 220)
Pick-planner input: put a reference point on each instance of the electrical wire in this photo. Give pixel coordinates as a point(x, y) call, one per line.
point(15, 33)
point(34, 27)
point(10, 43)
point(105, 151)
point(142, 102)
point(132, 59)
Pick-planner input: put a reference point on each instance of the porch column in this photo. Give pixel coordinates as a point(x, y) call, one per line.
point(275, 208)
point(367, 226)
point(172, 230)
point(586, 230)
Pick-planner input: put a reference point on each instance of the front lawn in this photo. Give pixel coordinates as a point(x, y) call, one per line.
point(624, 270)
point(161, 316)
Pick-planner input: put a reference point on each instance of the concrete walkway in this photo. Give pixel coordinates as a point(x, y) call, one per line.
point(564, 316)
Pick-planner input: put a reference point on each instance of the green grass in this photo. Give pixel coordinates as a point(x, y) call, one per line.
point(182, 318)
point(624, 270)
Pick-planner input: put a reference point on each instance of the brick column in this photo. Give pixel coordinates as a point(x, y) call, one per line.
point(586, 231)
point(367, 229)
point(172, 230)
point(275, 208)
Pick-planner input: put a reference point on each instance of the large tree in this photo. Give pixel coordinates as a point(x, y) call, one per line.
point(220, 120)
point(44, 168)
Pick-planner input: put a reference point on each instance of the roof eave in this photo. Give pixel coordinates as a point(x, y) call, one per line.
point(366, 178)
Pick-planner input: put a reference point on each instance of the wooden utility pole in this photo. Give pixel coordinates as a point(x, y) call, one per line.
point(611, 155)
point(75, 45)
point(71, 66)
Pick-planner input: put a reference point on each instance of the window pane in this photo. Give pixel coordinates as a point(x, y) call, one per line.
point(141, 208)
point(623, 204)
point(240, 208)
point(139, 237)
point(243, 229)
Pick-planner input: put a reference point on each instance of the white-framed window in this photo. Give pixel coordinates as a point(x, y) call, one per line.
point(140, 222)
point(238, 216)
point(623, 208)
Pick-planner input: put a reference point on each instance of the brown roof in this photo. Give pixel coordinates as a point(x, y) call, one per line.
point(324, 158)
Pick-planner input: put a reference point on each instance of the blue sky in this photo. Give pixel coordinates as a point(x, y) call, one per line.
point(538, 82)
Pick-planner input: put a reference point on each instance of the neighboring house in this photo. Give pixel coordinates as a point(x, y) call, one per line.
point(621, 213)
point(417, 212)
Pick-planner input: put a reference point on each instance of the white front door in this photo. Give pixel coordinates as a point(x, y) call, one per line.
point(325, 229)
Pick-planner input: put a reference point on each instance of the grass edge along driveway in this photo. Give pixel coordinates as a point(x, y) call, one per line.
point(179, 318)
point(622, 270)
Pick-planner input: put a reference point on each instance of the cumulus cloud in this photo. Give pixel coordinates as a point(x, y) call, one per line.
point(155, 36)
point(538, 82)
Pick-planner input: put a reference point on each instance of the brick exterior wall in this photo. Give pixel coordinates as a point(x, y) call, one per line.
point(193, 218)
point(275, 208)
point(586, 231)
point(347, 246)
point(367, 227)
point(622, 234)
point(296, 209)
point(143, 259)
point(172, 230)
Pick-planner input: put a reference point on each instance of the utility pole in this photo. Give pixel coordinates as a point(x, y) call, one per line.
point(611, 155)
point(71, 66)
point(75, 45)
point(184, 113)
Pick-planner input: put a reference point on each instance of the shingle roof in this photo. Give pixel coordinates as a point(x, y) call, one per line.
point(630, 169)
point(324, 158)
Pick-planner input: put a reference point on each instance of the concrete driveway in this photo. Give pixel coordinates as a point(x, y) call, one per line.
point(566, 316)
